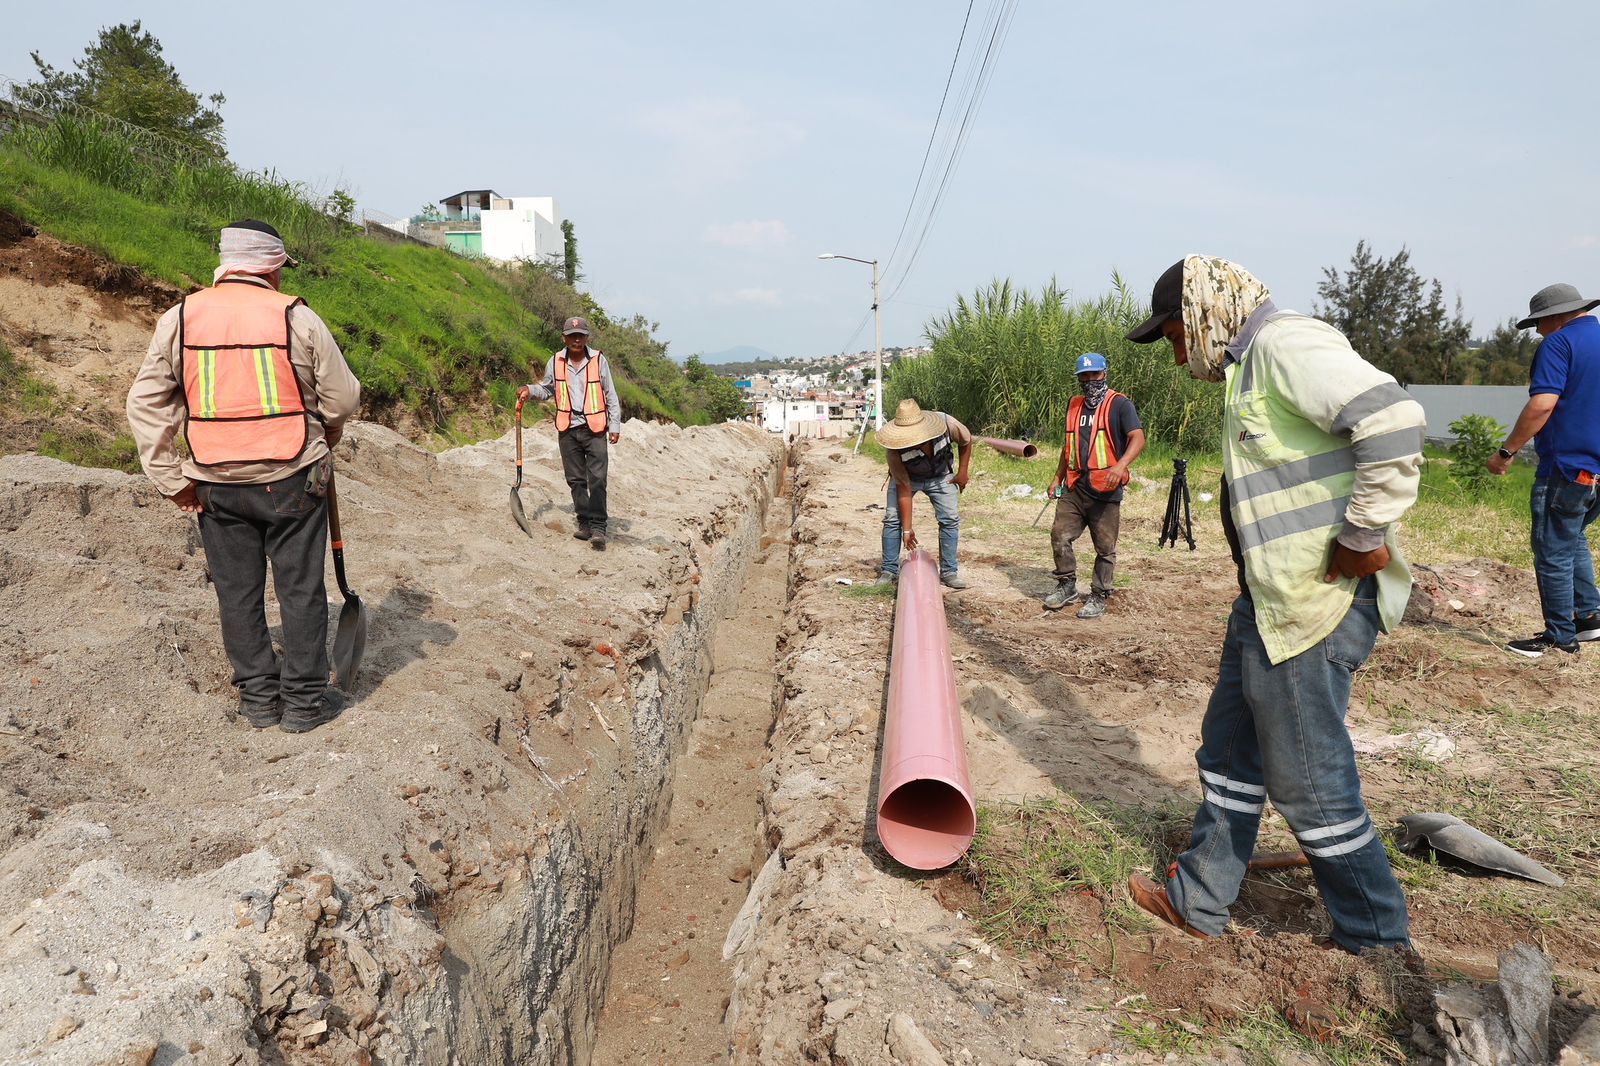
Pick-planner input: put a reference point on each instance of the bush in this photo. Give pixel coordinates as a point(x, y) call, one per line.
point(1002, 362)
point(1477, 438)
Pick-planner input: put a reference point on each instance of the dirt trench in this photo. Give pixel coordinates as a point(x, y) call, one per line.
point(441, 875)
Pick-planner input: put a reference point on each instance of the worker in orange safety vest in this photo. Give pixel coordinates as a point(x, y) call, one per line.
point(256, 384)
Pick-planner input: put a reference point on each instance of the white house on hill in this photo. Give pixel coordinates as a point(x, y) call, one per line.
point(482, 222)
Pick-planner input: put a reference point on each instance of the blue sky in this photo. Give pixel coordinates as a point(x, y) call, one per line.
point(706, 152)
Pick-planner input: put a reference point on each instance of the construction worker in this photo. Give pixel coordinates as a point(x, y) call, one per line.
point(256, 384)
point(1322, 454)
point(1560, 418)
point(1103, 438)
point(922, 447)
point(584, 427)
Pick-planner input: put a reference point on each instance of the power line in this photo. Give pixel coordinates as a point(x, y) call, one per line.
point(932, 133)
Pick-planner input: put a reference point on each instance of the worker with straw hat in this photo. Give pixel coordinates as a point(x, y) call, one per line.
point(923, 448)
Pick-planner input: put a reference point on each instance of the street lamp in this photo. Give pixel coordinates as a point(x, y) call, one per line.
point(877, 329)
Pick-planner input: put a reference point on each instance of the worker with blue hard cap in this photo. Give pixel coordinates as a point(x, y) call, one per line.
point(1103, 436)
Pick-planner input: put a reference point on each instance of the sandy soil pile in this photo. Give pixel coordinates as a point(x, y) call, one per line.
point(437, 876)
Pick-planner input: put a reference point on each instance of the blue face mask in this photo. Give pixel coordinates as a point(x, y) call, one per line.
point(1094, 392)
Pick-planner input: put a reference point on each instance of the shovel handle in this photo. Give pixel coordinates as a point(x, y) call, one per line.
point(337, 537)
point(520, 401)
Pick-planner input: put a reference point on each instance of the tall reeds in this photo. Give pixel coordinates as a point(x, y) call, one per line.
point(1002, 362)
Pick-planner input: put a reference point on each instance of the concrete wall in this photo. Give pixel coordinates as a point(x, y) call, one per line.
point(529, 229)
point(1446, 403)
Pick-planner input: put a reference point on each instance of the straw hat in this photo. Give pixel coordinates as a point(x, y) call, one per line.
point(911, 426)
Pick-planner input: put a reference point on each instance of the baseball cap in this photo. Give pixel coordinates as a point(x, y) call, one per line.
point(1166, 303)
point(1089, 362)
point(575, 325)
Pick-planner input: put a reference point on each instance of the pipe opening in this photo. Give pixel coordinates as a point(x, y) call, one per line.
point(926, 824)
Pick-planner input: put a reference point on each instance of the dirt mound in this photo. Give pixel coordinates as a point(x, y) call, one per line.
point(40, 259)
point(443, 870)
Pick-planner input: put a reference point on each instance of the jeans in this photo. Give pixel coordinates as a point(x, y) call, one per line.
point(1279, 731)
point(1103, 518)
point(583, 459)
point(1562, 509)
point(242, 526)
point(943, 494)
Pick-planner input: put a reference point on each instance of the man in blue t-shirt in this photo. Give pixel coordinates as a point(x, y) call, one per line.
point(1563, 419)
point(1103, 438)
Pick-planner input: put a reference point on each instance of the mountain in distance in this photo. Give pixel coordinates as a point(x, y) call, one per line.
point(743, 353)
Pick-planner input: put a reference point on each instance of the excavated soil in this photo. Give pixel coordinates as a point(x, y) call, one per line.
point(439, 875)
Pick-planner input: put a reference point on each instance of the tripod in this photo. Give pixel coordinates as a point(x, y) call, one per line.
point(1178, 496)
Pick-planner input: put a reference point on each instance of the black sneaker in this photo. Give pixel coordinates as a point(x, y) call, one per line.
point(1534, 647)
point(1588, 627)
point(584, 532)
point(597, 539)
point(261, 715)
point(325, 710)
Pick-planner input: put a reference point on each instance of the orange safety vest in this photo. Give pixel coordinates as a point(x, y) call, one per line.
point(243, 400)
point(594, 396)
point(1102, 452)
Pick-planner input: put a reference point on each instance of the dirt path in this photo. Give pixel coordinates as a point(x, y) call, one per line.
point(669, 984)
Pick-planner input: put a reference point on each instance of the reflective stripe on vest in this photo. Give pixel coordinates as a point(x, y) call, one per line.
point(1102, 448)
point(1289, 483)
point(239, 386)
point(594, 395)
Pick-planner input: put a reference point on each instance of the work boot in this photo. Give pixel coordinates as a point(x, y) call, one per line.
point(1151, 897)
point(261, 715)
point(1094, 606)
point(1588, 627)
point(886, 578)
point(1066, 592)
point(954, 581)
point(583, 532)
point(325, 710)
point(597, 538)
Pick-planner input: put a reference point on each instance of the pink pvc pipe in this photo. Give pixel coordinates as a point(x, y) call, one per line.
point(1020, 448)
point(925, 813)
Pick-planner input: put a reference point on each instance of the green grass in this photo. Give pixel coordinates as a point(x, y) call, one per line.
point(25, 400)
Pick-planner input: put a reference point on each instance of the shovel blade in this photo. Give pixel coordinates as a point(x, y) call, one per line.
point(517, 512)
point(349, 643)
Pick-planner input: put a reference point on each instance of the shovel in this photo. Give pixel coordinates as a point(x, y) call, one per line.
point(350, 639)
point(516, 497)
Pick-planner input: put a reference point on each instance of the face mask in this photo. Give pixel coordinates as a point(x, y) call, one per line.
point(1094, 392)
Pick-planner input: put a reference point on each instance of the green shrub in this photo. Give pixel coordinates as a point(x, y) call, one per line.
point(1478, 437)
point(1002, 362)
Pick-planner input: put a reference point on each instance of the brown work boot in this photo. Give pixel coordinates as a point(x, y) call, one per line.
point(583, 532)
point(1151, 897)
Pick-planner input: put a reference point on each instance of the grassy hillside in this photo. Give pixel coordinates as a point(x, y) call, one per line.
point(438, 342)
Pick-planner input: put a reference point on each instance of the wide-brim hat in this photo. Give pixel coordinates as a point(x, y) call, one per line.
point(1555, 300)
point(911, 426)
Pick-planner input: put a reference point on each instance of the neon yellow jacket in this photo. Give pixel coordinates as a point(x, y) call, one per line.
point(1319, 445)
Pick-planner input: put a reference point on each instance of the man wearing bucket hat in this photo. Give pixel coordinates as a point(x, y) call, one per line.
point(923, 448)
point(257, 385)
point(1562, 418)
point(1103, 438)
point(1322, 455)
point(588, 415)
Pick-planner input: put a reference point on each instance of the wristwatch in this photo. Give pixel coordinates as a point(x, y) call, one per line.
point(1502, 453)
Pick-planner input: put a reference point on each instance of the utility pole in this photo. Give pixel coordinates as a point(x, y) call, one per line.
point(877, 329)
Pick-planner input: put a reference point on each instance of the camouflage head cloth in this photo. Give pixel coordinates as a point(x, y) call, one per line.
point(1218, 296)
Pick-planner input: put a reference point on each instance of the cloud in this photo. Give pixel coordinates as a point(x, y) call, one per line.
point(716, 138)
point(752, 234)
point(1587, 240)
point(759, 297)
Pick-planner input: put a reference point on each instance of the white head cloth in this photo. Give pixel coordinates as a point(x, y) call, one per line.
point(248, 251)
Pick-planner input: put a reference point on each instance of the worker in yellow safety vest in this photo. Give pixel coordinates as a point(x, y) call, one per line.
point(588, 416)
point(257, 385)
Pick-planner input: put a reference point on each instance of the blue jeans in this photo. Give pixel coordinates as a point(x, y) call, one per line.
point(943, 494)
point(1279, 731)
point(1562, 509)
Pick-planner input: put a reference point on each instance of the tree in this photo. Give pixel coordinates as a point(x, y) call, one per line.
point(1505, 358)
point(1395, 317)
point(569, 251)
point(123, 74)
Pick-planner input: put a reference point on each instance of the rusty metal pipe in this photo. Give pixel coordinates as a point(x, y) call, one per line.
point(926, 817)
point(1019, 448)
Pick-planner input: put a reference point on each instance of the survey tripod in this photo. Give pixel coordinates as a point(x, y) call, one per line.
point(1178, 497)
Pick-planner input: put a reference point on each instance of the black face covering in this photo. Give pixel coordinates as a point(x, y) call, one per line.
point(1094, 392)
